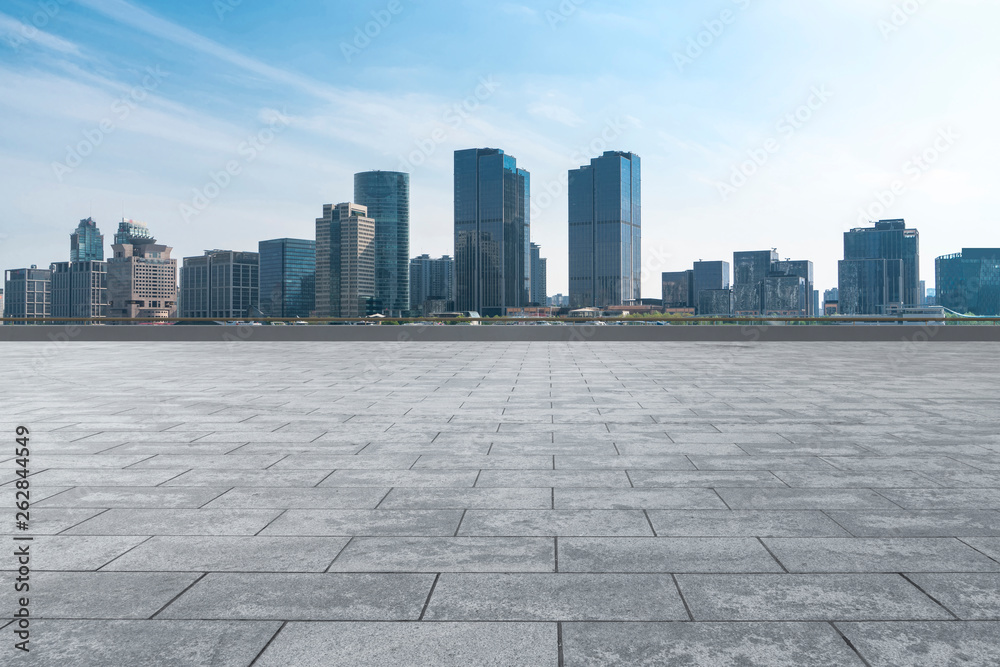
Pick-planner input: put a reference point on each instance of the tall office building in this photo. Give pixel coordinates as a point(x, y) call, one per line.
point(678, 289)
point(492, 232)
point(1, 303)
point(345, 261)
point(86, 243)
point(80, 289)
point(749, 271)
point(969, 282)
point(27, 293)
point(432, 280)
point(880, 272)
point(221, 284)
point(539, 276)
point(287, 277)
point(710, 276)
point(605, 231)
point(767, 285)
point(142, 278)
point(386, 195)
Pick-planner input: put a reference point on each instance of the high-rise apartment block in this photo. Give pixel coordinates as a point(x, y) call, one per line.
point(492, 232)
point(605, 231)
point(221, 284)
point(142, 278)
point(969, 281)
point(432, 280)
point(287, 277)
point(86, 243)
point(539, 276)
point(880, 272)
point(386, 195)
point(345, 261)
point(27, 293)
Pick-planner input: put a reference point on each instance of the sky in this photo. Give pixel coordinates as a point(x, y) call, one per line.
point(760, 123)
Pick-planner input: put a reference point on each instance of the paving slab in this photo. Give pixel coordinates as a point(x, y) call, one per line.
point(925, 644)
point(744, 523)
point(111, 595)
point(920, 523)
point(447, 554)
point(664, 554)
point(876, 554)
point(555, 523)
point(413, 523)
point(970, 596)
point(176, 522)
point(230, 554)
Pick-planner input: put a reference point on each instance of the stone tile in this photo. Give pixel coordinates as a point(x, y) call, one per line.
point(920, 523)
point(760, 463)
point(970, 596)
point(939, 499)
point(198, 462)
point(891, 554)
point(623, 499)
point(250, 478)
point(230, 554)
point(704, 479)
point(112, 595)
point(133, 497)
point(443, 462)
point(925, 644)
point(664, 554)
point(855, 480)
point(805, 597)
point(628, 447)
point(569, 462)
point(536, 498)
point(413, 644)
point(552, 478)
point(542, 523)
point(77, 553)
point(50, 521)
point(105, 477)
point(348, 497)
point(402, 478)
point(176, 522)
point(316, 597)
point(804, 499)
point(744, 523)
point(413, 523)
point(706, 644)
point(129, 643)
point(447, 554)
point(555, 597)
point(333, 461)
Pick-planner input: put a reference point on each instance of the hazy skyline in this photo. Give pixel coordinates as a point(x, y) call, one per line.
point(839, 99)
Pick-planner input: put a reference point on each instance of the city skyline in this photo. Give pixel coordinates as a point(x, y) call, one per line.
point(837, 131)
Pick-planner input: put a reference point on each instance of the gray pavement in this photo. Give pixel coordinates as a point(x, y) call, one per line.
point(474, 503)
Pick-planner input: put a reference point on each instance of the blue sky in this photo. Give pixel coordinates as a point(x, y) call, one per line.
point(224, 123)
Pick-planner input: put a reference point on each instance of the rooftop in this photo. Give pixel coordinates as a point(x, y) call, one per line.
point(535, 504)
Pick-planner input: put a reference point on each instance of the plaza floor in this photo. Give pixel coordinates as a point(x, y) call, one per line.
point(537, 504)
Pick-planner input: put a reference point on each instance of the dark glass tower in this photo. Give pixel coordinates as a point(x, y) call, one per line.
point(492, 232)
point(969, 282)
point(880, 270)
point(86, 244)
point(287, 277)
point(605, 231)
point(386, 194)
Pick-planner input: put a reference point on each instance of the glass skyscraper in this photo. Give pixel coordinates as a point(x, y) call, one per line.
point(605, 231)
point(86, 243)
point(880, 271)
point(131, 232)
point(492, 232)
point(287, 277)
point(969, 282)
point(386, 195)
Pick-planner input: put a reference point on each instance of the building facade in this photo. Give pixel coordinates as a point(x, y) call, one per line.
point(678, 289)
point(345, 261)
point(605, 231)
point(27, 293)
point(287, 277)
point(386, 195)
point(221, 285)
point(80, 289)
point(710, 276)
point(539, 276)
point(142, 278)
point(880, 272)
point(969, 281)
point(86, 243)
point(492, 232)
point(432, 280)
point(766, 285)
point(715, 303)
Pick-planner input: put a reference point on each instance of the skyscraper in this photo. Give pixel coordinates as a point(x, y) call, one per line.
point(767, 285)
point(880, 271)
point(80, 289)
point(28, 293)
point(287, 277)
point(221, 284)
point(605, 231)
point(432, 280)
point(539, 276)
point(711, 277)
point(749, 271)
point(969, 281)
point(345, 261)
point(386, 195)
point(86, 243)
point(142, 278)
point(492, 232)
